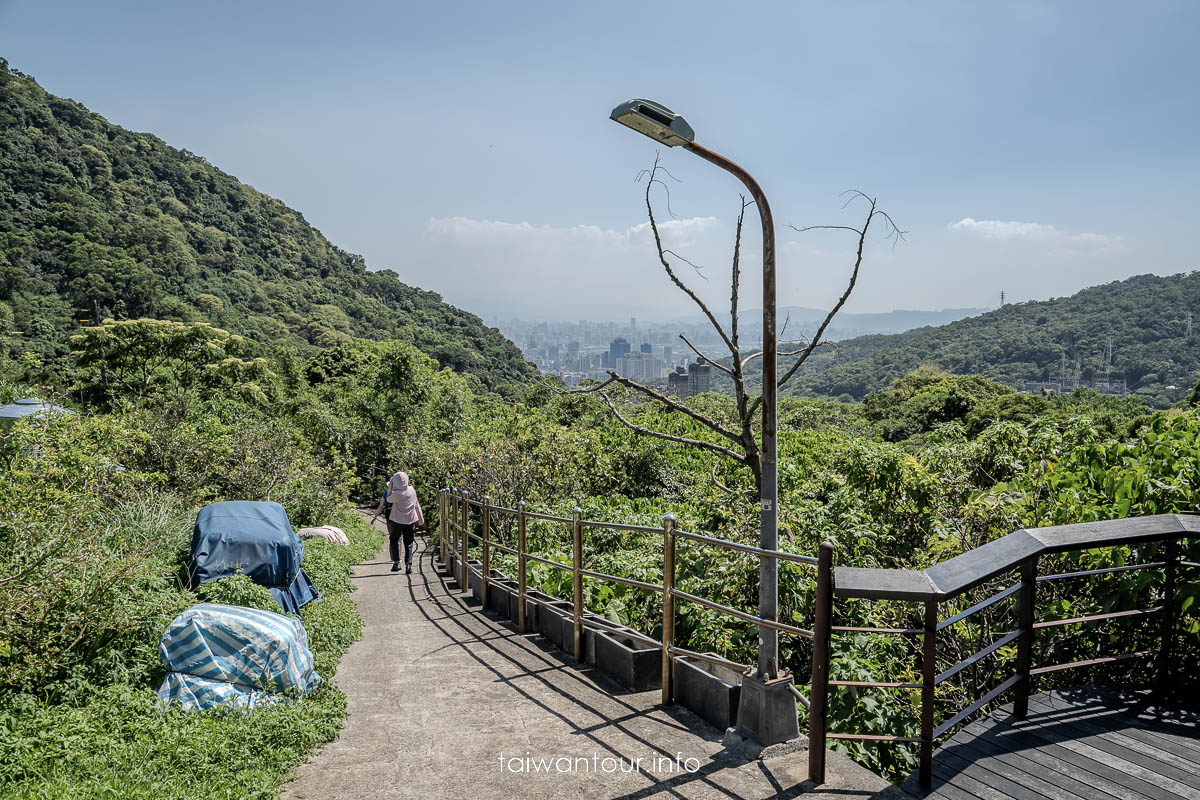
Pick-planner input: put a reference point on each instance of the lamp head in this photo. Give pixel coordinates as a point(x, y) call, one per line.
point(654, 120)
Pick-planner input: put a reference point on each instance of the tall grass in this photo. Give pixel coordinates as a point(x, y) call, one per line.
point(100, 732)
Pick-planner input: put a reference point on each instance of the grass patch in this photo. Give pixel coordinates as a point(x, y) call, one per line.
point(112, 741)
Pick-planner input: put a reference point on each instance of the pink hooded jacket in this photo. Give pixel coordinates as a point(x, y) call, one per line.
point(406, 508)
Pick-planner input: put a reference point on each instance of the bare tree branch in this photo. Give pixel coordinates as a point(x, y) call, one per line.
point(712, 425)
point(695, 350)
point(717, 481)
point(578, 390)
point(893, 232)
point(824, 228)
point(716, 448)
point(786, 321)
point(789, 353)
point(699, 269)
point(662, 258)
point(737, 275)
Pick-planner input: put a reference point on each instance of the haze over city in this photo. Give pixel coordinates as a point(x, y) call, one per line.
point(468, 148)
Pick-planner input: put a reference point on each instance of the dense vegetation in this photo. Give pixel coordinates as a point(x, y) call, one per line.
point(225, 371)
point(90, 557)
point(97, 221)
point(932, 467)
point(1146, 318)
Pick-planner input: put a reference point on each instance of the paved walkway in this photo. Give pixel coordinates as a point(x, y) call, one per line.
point(439, 692)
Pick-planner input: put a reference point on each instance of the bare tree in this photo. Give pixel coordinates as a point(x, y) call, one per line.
point(737, 443)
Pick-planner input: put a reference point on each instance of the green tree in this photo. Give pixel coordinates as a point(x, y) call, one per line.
point(134, 360)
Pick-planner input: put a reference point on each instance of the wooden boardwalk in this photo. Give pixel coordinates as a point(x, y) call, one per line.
point(1077, 744)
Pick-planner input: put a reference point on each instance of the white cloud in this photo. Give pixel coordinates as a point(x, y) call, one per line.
point(1037, 232)
point(578, 271)
point(464, 230)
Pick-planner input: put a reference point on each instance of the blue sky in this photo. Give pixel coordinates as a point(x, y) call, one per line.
point(1034, 148)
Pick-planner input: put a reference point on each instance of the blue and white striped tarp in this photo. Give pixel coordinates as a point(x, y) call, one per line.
point(220, 654)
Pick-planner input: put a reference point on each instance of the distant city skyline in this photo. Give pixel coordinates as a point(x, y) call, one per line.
point(652, 350)
point(1034, 148)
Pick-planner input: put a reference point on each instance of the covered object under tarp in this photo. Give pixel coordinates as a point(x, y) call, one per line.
point(29, 407)
point(231, 655)
point(255, 539)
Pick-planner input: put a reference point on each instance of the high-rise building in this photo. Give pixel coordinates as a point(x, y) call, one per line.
point(677, 383)
point(668, 356)
point(617, 350)
point(646, 348)
point(698, 378)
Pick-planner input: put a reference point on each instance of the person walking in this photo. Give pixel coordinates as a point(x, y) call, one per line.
point(403, 519)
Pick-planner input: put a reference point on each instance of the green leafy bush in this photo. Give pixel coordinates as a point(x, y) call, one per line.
point(238, 590)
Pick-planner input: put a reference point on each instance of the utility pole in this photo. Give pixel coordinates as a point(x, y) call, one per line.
point(1108, 355)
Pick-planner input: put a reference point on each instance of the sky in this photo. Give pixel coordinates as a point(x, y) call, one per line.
point(1029, 148)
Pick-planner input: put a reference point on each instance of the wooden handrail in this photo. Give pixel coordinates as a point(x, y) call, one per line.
point(1019, 550)
point(975, 567)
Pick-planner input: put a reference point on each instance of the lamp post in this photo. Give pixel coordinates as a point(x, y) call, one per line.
point(664, 126)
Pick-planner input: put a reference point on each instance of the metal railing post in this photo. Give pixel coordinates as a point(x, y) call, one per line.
point(577, 565)
point(485, 571)
point(521, 586)
point(456, 515)
point(668, 624)
point(465, 535)
point(443, 513)
point(818, 711)
point(928, 677)
point(1028, 599)
point(452, 529)
point(1170, 578)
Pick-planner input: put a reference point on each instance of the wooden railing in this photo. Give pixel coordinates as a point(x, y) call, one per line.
point(456, 536)
point(1018, 553)
point(942, 584)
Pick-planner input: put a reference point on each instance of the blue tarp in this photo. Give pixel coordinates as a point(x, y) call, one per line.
point(218, 654)
point(252, 538)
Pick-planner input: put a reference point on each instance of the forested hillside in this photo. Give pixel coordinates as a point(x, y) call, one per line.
point(97, 221)
point(1145, 316)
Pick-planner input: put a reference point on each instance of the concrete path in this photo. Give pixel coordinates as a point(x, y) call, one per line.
point(443, 697)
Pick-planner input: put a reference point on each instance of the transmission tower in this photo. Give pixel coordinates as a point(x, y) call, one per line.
point(1108, 354)
point(1188, 327)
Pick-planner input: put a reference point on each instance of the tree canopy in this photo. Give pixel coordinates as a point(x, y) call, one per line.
point(99, 222)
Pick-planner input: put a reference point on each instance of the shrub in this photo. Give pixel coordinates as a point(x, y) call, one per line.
point(238, 590)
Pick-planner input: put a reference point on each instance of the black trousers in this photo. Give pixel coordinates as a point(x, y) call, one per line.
point(396, 530)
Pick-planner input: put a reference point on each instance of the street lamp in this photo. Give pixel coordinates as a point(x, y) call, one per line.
point(763, 710)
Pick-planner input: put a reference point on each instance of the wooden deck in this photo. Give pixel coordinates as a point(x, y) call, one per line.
point(1077, 744)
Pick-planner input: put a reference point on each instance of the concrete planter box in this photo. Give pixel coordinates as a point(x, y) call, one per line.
point(711, 691)
point(550, 620)
point(567, 636)
point(533, 611)
point(473, 573)
point(510, 585)
point(501, 595)
point(557, 623)
point(634, 663)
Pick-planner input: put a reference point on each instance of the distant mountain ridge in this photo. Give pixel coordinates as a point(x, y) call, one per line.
point(1155, 343)
point(804, 321)
point(98, 221)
